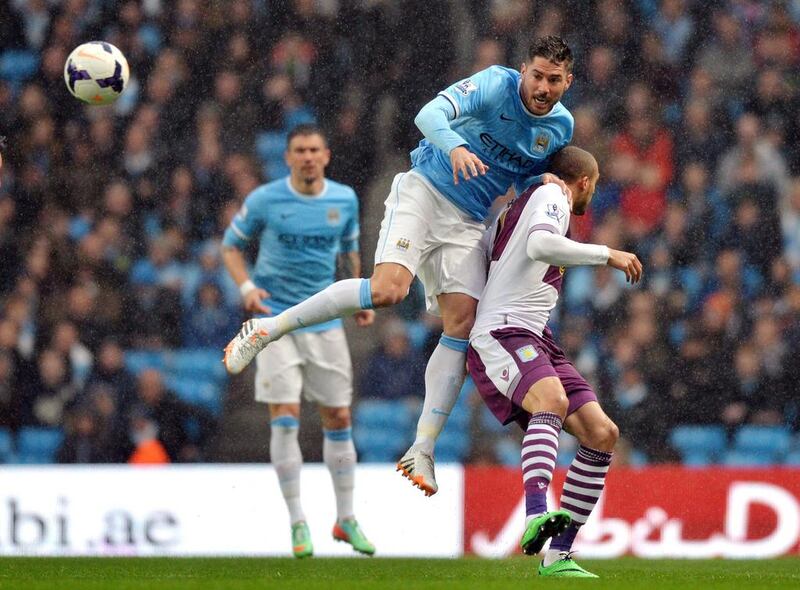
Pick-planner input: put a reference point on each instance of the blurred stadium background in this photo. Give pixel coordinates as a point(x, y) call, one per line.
point(114, 306)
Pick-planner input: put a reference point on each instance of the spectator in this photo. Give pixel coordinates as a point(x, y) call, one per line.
point(751, 160)
point(52, 392)
point(727, 59)
point(648, 148)
point(208, 320)
point(171, 419)
point(147, 446)
point(81, 443)
point(674, 26)
point(394, 372)
point(790, 226)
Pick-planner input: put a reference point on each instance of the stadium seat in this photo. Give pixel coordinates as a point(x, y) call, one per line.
point(771, 441)
point(192, 390)
point(270, 145)
point(638, 458)
point(735, 458)
point(452, 446)
point(301, 115)
point(37, 445)
point(693, 439)
point(488, 422)
point(137, 361)
point(383, 414)
point(199, 363)
point(6, 445)
point(17, 65)
point(379, 445)
point(696, 458)
point(382, 429)
point(792, 458)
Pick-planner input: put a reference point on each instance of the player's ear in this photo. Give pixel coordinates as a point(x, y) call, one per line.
point(570, 78)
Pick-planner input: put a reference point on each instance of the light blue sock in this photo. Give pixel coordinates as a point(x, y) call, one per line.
point(444, 377)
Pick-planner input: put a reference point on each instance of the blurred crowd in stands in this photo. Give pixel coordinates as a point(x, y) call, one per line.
point(110, 218)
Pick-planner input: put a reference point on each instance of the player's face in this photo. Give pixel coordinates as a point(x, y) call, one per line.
point(543, 84)
point(307, 156)
point(581, 203)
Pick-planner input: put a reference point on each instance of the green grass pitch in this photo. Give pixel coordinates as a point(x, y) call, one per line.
point(364, 573)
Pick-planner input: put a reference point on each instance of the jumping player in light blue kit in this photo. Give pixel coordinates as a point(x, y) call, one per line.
point(495, 130)
point(303, 224)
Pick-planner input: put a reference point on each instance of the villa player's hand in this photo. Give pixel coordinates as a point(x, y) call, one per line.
point(253, 301)
point(466, 163)
point(627, 263)
point(364, 318)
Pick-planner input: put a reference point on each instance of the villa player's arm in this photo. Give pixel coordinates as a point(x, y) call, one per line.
point(552, 248)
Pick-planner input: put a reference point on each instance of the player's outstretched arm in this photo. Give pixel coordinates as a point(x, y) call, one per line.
point(558, 250)
point(252, 296)
point(626, 262)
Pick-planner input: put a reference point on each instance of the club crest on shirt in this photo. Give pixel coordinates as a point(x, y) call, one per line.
point(541, 144)
point(334, 216)
point(554, 212)
point(527, 353)
point(466, 87)
point(403, 244)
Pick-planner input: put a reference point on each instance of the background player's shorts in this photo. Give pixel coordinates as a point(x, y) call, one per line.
point(505, 363)
point(314, 363)
point(432, 238)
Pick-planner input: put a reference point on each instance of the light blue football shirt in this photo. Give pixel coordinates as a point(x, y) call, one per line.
point(299, 239)
point(513, 142)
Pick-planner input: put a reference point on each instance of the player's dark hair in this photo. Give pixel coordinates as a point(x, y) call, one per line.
point(306, 129)
point(571, 163)
point(2, 142)
point(552, 48)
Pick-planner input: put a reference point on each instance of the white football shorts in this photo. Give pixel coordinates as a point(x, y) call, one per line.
point(316, 364)
point(432, 238)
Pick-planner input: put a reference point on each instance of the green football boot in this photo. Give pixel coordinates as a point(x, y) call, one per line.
point(542, 528)
point(349, 532)
point(301, 540)
point(565, 567)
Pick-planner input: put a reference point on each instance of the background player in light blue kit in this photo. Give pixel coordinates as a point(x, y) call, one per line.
point(303, 223)
point(496, 130)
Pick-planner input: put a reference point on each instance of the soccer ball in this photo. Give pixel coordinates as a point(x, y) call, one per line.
point(96, 73)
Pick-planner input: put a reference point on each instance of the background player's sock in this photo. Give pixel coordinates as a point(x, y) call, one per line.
point(340, 299)
point(444, 377)
point(287, 459)
point(539, 451)
point(339, 455)
point(579, 496)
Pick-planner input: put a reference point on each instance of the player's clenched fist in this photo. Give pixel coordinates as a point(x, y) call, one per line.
point(466, 163)
point(627, 263)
